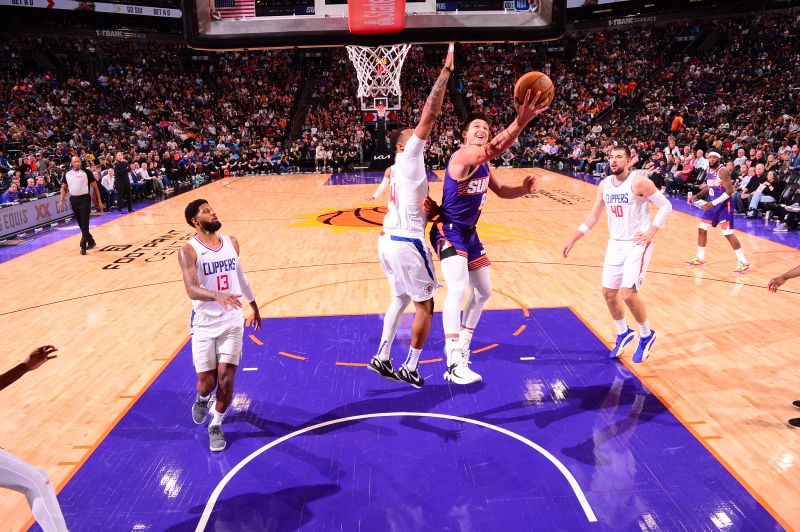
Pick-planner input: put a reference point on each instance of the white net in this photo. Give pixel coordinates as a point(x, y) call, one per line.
point(378, 71)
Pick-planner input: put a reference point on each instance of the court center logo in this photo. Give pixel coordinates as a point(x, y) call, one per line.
point(345, 219)
point(371, 218)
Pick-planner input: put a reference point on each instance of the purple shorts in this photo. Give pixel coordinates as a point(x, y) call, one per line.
point(465, 241)
point(721, 213)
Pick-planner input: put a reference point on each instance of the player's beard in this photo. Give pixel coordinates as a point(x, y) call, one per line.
point(211, 227)
point(713, 166)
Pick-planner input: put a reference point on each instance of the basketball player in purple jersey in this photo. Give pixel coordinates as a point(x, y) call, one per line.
point(625, 195)
point(773, 286)
point(718, 211)
point(214, 279)
point(467, 178)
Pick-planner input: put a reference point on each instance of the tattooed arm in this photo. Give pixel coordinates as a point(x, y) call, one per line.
point(433, 105)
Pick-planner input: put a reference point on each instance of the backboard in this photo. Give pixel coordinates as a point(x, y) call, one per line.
point(259, 24)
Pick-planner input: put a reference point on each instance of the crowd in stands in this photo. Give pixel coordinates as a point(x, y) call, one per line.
point(671, 92)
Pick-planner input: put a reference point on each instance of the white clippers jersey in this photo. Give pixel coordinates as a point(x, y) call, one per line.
point(216, 270)
point(408, 189)
point(627, 213)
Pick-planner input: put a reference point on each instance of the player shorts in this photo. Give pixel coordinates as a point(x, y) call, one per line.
point(626, 264)
point(721, 213)
point(465, 241)
point(216, 341)
point(408, 265)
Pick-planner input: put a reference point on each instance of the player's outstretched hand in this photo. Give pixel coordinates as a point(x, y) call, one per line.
point(529, 183)
point(531, 107)
point(229, 300)
point(449, 61)
point(775, 282)
point(39, 356)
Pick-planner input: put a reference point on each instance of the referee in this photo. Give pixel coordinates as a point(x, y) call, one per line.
point(76, 181)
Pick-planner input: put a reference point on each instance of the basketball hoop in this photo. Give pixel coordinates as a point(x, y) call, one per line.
point(378, 71)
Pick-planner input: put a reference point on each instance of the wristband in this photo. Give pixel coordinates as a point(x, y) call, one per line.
point(583, 228)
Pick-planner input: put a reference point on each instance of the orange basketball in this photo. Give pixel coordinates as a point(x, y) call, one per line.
point(535, 81)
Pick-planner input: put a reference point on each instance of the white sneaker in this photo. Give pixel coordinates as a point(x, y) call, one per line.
point(458, 371)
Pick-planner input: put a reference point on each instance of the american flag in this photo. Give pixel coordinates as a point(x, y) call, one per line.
point(235, 8)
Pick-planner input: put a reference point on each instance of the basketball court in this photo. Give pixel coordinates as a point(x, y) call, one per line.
point(556, 437)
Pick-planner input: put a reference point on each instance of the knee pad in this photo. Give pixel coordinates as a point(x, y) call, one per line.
point(727, 232)
point(704, 226)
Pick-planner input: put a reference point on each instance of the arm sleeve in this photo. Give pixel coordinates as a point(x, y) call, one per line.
point(381, 188)
point(664, 208)
point(247, 292)
point(414, 148)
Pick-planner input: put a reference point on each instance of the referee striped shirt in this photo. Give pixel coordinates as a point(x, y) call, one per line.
point(78, 181)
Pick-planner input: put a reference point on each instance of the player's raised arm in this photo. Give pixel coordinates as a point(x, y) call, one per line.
point(433, 105)
point(475, 155)
point(588, 223)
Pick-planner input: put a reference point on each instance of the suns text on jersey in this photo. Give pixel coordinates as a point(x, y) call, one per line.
point(478, 186)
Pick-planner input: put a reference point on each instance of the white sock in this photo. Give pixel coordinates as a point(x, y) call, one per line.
point(384, 351)
point(621, 326)
point(740, 255)
point(216, 421)
point(644, 329)
point(391, 321)
point(701, 252)
point(413, 359)
point(465, 338)
point(451, 346)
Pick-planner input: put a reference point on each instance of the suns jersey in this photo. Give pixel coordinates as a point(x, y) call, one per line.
point(216, 270)
point(627, 213)
point(408, 188)
point(462, 201)
point(716, 187)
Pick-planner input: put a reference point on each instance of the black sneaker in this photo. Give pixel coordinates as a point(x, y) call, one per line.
point(796, 404)
point(384, 369)
point(91, 245)
point(411, 377)
point(83, 251)
point(794, 423)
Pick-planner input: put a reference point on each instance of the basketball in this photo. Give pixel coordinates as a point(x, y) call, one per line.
point(535, 81)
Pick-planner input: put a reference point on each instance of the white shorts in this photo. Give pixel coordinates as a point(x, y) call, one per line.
point(408, 264)
point(216, 341)
point(625, 264)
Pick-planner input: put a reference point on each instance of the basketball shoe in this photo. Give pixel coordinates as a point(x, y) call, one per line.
point(458, 371)
point(199, 410)
point(622, 341)
point(411, 377)
point(645, 345)
point(742, 267)
point(695, 262)
point(216, 439)
point(796, 404)
point(383, 368)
